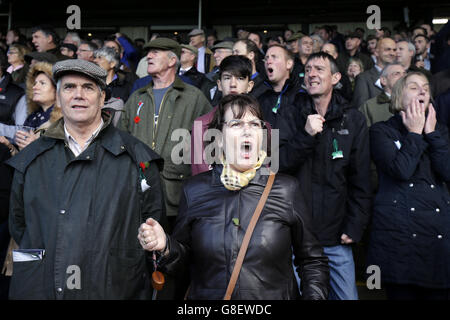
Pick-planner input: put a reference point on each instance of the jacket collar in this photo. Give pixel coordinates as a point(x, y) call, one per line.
point(113, 144)
point(383, 98)
point(177, 84)
point(336, 107)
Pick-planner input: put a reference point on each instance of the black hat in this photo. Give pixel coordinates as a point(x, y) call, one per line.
point(69, 46)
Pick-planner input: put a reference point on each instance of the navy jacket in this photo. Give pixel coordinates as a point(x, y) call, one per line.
point(410, 235)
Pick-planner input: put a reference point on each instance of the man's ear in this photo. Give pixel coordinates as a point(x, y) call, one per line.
point(335, 78)
point(250, 85)
point(251, 56)
point(383, 81)
point(290, 64)
point(219, 85)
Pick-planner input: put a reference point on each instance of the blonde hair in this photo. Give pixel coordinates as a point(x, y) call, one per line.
point(397, 91)
point(21, 51)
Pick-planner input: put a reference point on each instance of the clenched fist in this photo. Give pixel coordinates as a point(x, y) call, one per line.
point(152, 236)
point(314, 124)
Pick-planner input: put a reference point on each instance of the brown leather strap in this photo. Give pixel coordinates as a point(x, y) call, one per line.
point(248, 235)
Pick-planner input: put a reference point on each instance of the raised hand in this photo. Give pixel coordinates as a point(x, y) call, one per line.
point(314, 124)
point(152, 236)
point(414, 116)
point(430, 122)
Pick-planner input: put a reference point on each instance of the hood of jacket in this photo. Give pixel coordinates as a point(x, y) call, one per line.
point(35, 70)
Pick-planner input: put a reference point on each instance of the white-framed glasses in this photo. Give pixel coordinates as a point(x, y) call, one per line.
point(240, 124)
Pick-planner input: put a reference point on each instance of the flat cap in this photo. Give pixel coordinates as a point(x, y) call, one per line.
point(190, 48)
point(84, 67)
point(40, 56)
point(224, 45)
point(195, 32)
point(164, 44)
point(295, 36)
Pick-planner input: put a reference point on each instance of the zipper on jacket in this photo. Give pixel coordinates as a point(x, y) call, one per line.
point(155, 126)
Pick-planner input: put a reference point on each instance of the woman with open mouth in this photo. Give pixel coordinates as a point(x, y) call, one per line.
point(410, 236)
point(216, 208)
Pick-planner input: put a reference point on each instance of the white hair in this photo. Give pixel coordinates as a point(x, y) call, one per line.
point(171, 55)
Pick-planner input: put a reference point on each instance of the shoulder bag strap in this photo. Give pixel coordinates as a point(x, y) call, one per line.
point(248, 235)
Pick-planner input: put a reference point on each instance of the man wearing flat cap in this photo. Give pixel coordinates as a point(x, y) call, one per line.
point(205, 61)
point(188, 60)
point(209, 87)
point(153, 112)
point(353, 50)
point(78, 197)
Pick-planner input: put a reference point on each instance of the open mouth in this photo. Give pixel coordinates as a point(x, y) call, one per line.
point(314, 84)
point(269, 71)
point(246, 149)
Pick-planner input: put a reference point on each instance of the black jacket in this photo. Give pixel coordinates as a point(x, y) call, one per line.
point(207, 239)
point(195, 76)
point(337, 190)
point(84, 212)
point(121, 86)
point(281, 118)
point(410, 229)
point(10, 94)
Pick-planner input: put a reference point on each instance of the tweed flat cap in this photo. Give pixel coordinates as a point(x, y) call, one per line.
point(224, 45)
point(164, 44)
point(84, 67)
point(190, 48)
point(195, 32)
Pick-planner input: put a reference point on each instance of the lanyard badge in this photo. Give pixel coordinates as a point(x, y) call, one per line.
point(337, 154)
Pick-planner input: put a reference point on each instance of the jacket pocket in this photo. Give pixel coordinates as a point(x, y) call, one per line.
point(173, 177)
point(27, 282)
point(127, 274)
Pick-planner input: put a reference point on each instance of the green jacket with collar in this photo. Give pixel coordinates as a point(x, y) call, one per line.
point(180, 106)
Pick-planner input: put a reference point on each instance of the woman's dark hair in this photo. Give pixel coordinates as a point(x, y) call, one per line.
point(239, 104)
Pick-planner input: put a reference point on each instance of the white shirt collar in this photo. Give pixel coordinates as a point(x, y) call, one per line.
point(73, 144)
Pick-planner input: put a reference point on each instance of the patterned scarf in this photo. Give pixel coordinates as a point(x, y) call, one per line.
point(234, 180)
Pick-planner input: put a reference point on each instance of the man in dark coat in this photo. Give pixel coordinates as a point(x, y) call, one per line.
point(329, 154)
point(45, 39)
point(366, 85)
point(78, 197)
point(278, 99)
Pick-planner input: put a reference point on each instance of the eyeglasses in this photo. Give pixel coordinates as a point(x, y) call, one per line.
point(240, 124)
point(12, 52)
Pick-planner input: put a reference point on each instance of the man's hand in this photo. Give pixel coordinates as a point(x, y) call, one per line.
point(430, 122)
point(414, 116)
point(345, 239)
point(314, 124)
point(420, 64)
point(152, 236)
